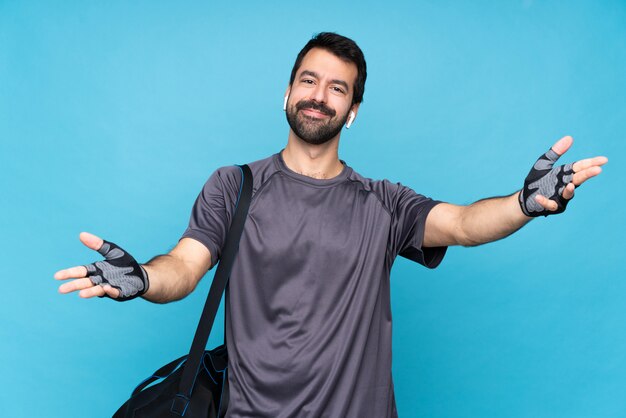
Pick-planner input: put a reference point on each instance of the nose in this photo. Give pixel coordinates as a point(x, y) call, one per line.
point(319, 93)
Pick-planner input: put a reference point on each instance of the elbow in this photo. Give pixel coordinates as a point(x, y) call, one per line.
point(471, 243)
point(466, 238)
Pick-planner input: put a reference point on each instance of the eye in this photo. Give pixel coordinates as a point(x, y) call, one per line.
point(307, 81)
point(338, 90)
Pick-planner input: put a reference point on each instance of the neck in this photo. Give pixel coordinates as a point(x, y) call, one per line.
point(317, 161)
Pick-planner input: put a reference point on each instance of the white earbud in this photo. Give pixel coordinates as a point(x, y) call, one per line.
point(350, 120)
point(285, 103)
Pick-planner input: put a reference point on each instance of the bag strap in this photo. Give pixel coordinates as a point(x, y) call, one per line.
point(162, 373)
point(231, 245)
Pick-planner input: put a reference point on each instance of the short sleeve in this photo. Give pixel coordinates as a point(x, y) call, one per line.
point(409, 213)
point(213, 210)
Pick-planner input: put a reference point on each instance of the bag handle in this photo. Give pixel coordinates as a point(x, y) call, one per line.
point(162, 373)
point(231, 245)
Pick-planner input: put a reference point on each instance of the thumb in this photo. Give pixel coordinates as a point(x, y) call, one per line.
point(562, 145)
point(91, 241)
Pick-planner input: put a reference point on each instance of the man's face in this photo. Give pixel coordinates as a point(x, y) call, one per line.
point(320, 97)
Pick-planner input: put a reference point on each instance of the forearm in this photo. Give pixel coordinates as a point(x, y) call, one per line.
point(547, 190)
point(170, 279)
point(490, 220)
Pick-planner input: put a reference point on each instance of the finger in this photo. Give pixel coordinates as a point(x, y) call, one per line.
point(91, 241)
point(74, 285)
point(546, 203)
point(95, 291)
point(111, 291)
point(589, 162)
point(71, 273)
point(568, 192)
point(562, 145)
point(584, 175)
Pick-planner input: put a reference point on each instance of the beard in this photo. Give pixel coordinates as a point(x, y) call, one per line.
point(312, 130)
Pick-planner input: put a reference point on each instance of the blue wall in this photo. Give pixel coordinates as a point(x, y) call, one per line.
point(113, 114)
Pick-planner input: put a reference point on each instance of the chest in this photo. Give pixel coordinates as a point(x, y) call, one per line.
point(288, 217)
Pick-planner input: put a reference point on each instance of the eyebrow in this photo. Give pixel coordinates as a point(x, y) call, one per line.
point(314, 74)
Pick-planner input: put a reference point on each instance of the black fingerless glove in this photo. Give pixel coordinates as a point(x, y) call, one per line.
point(119, 270)
point(546, 181)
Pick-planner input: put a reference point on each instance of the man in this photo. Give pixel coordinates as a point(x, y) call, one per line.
point(308, 312)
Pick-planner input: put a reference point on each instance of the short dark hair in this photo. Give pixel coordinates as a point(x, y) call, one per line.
point(345, 49)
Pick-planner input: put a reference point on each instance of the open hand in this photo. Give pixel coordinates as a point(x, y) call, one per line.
point(547, 189)
point(119, 277)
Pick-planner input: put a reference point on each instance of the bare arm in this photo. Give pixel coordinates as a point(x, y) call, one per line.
point(481, 222)
point(493, 219)
point(171, 276)
point(176, 274)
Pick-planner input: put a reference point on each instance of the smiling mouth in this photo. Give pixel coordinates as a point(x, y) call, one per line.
point(313, 110)
point(314, 113)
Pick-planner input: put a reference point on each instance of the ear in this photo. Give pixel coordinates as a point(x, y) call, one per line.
point(352, 115)
point(286, 97)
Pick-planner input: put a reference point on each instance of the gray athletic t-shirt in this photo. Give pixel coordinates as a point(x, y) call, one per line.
point(308, 307)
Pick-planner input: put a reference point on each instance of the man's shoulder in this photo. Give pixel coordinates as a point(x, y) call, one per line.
point(230, 175)
point(378, 186)
point(390, 194)
point(257, 165)
point(386, 191)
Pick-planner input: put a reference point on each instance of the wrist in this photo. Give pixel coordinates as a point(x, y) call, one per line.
point(147, 272)
point(146, 281)
point(520, 201)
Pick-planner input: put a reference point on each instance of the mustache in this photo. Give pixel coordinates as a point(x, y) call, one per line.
point(320, 107)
